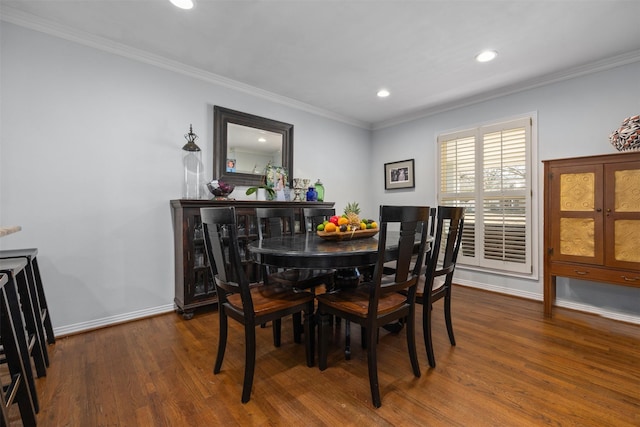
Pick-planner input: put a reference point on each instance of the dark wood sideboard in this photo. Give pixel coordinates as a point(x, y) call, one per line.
point(194, 285)
point(591, 221)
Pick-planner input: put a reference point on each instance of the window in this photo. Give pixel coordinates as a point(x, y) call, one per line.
point(488, 171)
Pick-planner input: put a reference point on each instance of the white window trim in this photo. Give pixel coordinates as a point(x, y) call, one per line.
point(534, 183)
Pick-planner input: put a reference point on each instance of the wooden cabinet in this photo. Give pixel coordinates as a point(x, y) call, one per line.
point(592, 221)
point(194, 285)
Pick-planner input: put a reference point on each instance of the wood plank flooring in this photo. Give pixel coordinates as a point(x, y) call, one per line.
point(511, 367)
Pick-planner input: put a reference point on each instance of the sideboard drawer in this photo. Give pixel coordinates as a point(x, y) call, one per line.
point(596, 274)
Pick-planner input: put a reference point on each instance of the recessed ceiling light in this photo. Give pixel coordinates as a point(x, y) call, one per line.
point(261, 139)
point(486, 56)
point(383, 93)
point(182, 4)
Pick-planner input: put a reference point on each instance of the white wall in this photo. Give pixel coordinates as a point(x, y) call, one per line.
point(90, 157)
point(575, 118)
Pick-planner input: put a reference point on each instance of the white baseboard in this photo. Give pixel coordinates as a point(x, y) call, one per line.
point(112, 320)
point(127, 317)
point(559, 302)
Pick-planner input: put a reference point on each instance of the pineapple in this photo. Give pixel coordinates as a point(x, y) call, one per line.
point(352, 211)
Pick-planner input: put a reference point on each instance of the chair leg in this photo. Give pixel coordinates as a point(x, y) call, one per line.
point(222, 340)
point(14, 316)
point(363, 337)
point(372, 358)
point(51, 339)
point(309, 336)
point(14, 344)
point(323, 340)
point(447, 317)
point(426, 327)
point(297, 328)
point(277, 332)
point(34, 296)
point(32, 322)
point(347, 339)
point(411, 344)
point(250, 361)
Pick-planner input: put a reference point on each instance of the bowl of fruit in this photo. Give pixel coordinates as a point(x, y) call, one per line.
point(348, 226)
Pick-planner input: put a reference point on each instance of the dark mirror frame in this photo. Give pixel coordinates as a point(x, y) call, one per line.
point(221, 118)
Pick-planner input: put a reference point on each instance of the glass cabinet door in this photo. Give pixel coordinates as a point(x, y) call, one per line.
point(201, 283)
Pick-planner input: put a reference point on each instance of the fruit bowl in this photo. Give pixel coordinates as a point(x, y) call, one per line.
point(348, 235)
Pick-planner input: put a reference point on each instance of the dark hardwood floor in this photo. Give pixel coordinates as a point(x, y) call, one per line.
point(511, 367)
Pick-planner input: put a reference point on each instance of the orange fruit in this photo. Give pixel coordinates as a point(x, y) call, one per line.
point(343, 221)
point(330, 227)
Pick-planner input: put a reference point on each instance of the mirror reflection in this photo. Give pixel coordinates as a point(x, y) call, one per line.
point(244, 144)
point(249, 150)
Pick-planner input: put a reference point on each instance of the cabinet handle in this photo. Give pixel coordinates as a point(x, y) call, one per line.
point(630, 279)
point(582, 273)
point(598, 210)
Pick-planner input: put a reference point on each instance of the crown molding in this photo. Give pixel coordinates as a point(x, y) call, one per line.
point(583, 70)
point(32, 22)
point(17, 17)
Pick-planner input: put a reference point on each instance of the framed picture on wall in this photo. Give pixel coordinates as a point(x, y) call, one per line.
point(399, 175)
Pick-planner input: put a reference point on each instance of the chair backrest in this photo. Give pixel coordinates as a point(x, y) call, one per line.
point(433, 212)
point(431, 225)
point(221, 243)
point(445, 246)
point(412, 220)
point(275, 222)
point(315, 216)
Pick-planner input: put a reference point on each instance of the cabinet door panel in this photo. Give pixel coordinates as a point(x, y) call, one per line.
point(622, 215)
point(576, 194)
point(577, 237)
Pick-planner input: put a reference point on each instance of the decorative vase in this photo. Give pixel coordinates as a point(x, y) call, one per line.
point(192, 165)
point(320, 189)
point(627, 136)
point(261, 194)
point(312, 195)
point(297, 189)
point(220, 189)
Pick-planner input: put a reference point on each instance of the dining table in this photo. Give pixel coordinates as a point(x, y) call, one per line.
point(310, 251)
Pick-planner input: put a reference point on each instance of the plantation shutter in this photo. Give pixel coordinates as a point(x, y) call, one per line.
point(487, 170)
point(458, 184)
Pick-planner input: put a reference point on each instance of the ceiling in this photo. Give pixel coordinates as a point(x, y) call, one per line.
point(332, 56)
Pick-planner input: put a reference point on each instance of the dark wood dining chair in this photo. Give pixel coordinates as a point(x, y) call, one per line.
point(377, 302)
point(315, 216)
point(390, 267)
point(436, 282)
point(249, 305)
point(277, 222)
point(16, 270)
point(33, 271)
point(17, 386)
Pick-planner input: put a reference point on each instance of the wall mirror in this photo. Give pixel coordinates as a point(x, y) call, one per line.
point(243, 145)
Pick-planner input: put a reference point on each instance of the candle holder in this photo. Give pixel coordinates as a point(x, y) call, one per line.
point(297, 189)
